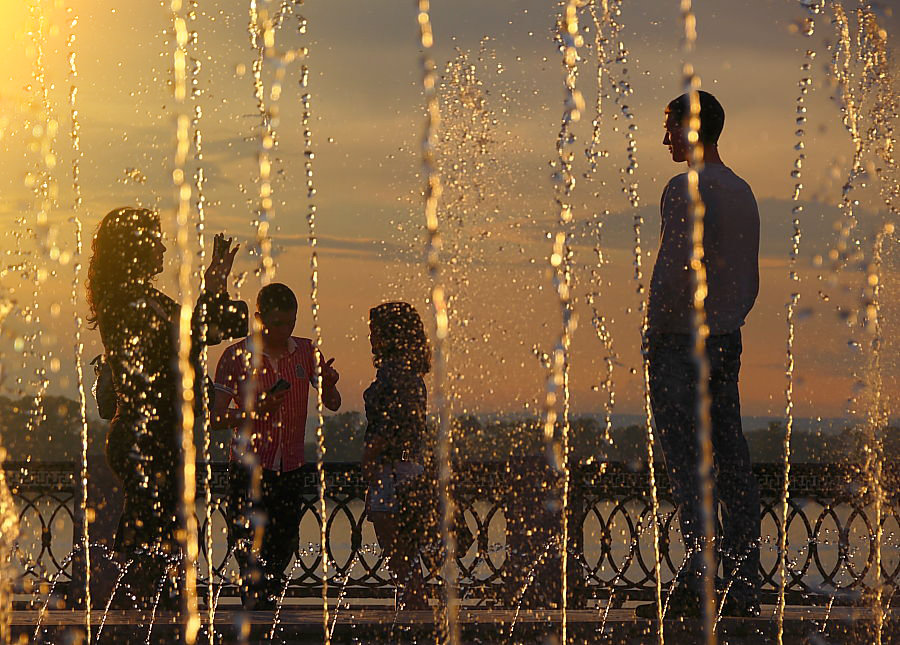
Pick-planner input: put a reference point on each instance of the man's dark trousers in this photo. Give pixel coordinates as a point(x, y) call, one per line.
point(279, 510)
point(673, 390)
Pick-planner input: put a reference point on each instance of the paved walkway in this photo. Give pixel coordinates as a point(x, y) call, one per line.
point(368, 625)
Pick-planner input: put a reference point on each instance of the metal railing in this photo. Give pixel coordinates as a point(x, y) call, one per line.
point(509, 509)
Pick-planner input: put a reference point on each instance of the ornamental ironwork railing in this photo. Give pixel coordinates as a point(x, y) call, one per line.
point(513, 512)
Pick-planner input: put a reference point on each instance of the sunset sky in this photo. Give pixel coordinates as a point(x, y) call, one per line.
point(367, 121)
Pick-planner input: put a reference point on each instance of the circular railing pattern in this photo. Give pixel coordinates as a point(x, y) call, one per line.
point(831, 531)
point(45, 497)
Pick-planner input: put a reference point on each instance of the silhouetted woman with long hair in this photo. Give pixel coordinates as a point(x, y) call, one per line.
point(400, 500)
point(139, 328)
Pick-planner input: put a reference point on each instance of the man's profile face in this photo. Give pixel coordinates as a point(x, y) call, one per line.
point(676, 138)
point(278, 324)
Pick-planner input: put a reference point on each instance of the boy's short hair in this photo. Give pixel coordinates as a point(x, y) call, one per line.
point(712, 115)
point(275, 297)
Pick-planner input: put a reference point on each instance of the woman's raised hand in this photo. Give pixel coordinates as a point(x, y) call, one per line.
point(216, 275)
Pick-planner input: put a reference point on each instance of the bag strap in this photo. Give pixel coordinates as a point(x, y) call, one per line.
point(158, 308)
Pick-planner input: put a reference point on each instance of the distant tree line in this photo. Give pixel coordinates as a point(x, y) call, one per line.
point(48, 431)
point(52, 432)
point(589, 440)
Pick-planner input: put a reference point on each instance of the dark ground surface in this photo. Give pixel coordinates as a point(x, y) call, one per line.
point(802, 626)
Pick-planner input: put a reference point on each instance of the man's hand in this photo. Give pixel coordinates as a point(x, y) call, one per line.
point(330, 395)
point(270, 402)
point(224, 417)
point(330, 376)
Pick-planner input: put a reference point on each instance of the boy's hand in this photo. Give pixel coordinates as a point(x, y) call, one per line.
point(330, 376)
point(269, 403)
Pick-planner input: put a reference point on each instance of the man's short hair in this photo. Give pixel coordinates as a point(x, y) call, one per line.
point(712, 116)
point(275, 297)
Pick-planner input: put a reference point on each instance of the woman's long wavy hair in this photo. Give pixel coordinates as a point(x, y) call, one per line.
point(121, 258)
point(401, 337)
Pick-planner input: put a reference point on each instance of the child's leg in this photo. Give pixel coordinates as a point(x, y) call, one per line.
point(403, 559)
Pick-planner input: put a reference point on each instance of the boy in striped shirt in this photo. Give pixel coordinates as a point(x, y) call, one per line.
point(279, 393)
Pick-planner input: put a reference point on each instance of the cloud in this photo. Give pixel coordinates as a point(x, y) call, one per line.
point(373, 249)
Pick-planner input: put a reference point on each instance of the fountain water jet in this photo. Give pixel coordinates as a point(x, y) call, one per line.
point(529, 578)
point(70, 557)
point(317, 548)
point(77, 203)
point(261, 34)
point(317, 343)
point(112, 595)
point(866, 93)
point(598, 323)
point(9, 530)
point(794, 276)
point(433, 190)
point(557, 449)
point(608, 22)
point(44, 185)
point(700, 330)
point(622, 91)
point(200, 206)
point(877, 417)
point(173, 563)
point(340, 599)
point(598, 320)
point(189, 536)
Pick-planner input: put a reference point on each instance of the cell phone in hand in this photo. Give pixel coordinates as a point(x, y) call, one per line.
point(280, 386)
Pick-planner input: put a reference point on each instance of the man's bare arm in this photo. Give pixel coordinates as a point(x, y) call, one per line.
point(225, 418)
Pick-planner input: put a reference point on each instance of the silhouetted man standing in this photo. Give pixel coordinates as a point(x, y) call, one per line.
point(731, 248)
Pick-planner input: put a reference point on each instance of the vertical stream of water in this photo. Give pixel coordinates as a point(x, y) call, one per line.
point(593, 155)
point(877, 419)
point(449, 629)
point(700, 330)
point(259, 38)
point(610, 50)
point(199, 179)
point(865, 89)
point(622, 91)
point(183, 191)
point(311, 212)
point(859, 69)
point(556, 439)
point(800, 118)
point(45, 188)
point(77, 202)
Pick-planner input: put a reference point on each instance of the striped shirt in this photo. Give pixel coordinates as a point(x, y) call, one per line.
point(277, 440)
